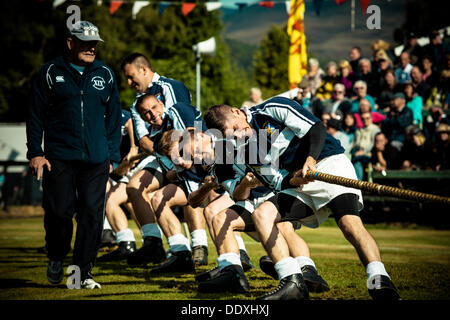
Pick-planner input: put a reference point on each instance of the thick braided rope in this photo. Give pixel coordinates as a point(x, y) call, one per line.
point(377, 188)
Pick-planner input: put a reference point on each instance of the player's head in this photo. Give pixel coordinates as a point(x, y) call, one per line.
point(82, 40)
point(151, 109)
point(138, 71)
point(186, 148)
point(232, 122)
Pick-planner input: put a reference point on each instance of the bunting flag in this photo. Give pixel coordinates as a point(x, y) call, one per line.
point(211, 6)
point(114, 6)
point(58, 3)
point(267, 4)
point(186, 8)
point(288, 7)
point(364, 4)
point(137, 6)
point(297, 49)
point(162, 7)
point(241, 5)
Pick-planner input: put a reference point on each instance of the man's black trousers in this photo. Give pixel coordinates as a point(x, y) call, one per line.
point(74, 188)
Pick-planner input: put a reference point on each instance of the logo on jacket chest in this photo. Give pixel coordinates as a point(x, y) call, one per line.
point(98, 83)
point(269, 128)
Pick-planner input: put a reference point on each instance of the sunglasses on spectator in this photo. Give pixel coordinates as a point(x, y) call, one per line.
point(357, 88)
point(338, 91)
point(366, 118)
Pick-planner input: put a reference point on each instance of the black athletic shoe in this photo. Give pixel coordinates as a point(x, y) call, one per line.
point(200, 255)
point(245, 260)
point(108, 239)
point(121, 253)
point(292, 287)
point(381, 288)
point(180, 261)
point(207, 274)
point(151, 251)
point(55, 272)
point(313, 280)
point(268, 267)
point(230, 279)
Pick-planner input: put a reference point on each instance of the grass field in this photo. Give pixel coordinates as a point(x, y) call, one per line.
point(417, 259)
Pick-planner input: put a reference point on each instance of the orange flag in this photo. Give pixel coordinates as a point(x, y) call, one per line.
point(186, 8)
point(297, 49)
point(114, 6)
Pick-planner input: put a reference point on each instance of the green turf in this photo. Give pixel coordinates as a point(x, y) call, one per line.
point(417, 259)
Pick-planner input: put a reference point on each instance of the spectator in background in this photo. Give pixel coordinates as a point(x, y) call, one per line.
point(398, 119)
point(366, 75)
point(338, 104)
point(422, 88)
point(415, 103)
point(314, 75)
point(382, 65)
point(428, 75)
point(403, 72)
point(347, 77)
point(349, 127)
point(334, 128)
point(439, 94)
point(415, 152)
point(255, 98)
point(325, 117)
point(360, 89)
point(437, 49)
point(440, 149)
point(329, 80)
point(433, 121)
point(364, 106)
point(384, 155)
point(363, 144)
point(355, 55)
point(413, 48)
point(388, 90)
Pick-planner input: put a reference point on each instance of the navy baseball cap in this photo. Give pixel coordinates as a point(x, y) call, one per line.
point(85, 31)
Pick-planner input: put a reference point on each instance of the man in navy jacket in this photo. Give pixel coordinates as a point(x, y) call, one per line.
point(75, 106)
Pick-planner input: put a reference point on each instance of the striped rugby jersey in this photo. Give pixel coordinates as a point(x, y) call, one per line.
point(171, 91)
point(281, 125)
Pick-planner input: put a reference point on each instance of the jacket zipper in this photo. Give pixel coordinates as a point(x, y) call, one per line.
point(83, 155)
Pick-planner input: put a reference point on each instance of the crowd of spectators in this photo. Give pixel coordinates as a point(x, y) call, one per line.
point(388, 111)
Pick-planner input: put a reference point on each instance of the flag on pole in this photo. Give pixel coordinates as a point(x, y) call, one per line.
point(297, 49)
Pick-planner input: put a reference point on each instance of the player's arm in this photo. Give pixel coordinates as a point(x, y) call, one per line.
point(199, 196)
point(243, 189)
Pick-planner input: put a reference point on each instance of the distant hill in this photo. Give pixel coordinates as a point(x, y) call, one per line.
point(329, 34)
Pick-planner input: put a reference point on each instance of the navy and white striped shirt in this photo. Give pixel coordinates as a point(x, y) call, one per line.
point(171, 91)
point(283, 124)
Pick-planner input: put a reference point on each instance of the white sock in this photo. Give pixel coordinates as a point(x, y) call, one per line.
point(178, 242)
point(227, 259)
point(106, 224)
point(305, 261)
point(199, 238)
point(376, 268)
point(240, 242)
point(125, 235)
point(151, 230)
point(286, 267)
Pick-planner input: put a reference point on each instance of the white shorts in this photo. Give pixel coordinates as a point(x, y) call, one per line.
point(252, 205)
point(318, 194)
point(160, 163)
point(141, 164)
